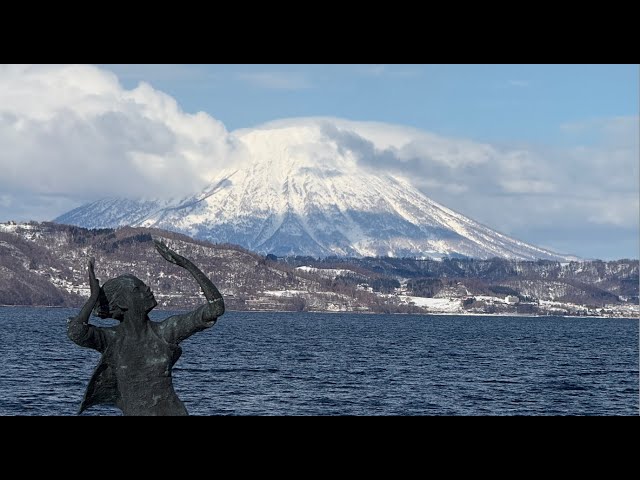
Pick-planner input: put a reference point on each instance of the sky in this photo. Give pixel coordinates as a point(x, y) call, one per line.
point(547, 154)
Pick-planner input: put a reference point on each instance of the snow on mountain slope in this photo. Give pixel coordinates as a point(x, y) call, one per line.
point(304, 193)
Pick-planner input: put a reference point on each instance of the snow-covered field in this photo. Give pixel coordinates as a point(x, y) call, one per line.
point(437, 305)
point(284, 293)
point(325, 272)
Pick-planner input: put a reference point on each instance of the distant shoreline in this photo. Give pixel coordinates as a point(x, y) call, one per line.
point(439, 314)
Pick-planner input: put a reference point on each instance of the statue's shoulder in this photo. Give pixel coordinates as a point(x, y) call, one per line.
point(159, 327)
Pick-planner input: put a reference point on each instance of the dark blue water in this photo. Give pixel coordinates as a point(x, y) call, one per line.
point(344, 364)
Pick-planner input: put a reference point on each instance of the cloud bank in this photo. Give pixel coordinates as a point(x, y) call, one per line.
point(72, 134)
point(512, 184)
point(560, 198)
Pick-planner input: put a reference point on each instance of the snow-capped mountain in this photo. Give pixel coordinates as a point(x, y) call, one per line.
point(303, 193)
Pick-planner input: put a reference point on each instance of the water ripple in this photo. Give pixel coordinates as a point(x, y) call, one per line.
point(323, 364)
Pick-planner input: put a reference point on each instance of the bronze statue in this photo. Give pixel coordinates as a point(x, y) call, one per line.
point(134, 373)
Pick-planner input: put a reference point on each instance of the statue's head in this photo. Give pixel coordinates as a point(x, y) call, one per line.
point(120, 294)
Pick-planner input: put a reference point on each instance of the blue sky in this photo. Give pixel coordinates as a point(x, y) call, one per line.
point(562, 173)
point(494, 103)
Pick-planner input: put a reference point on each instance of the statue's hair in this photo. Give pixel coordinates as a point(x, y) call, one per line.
point(110, 297)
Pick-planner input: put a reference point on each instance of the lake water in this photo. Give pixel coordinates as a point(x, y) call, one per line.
point(347, 364)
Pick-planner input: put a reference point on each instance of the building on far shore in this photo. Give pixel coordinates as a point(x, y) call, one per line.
point(511, 299)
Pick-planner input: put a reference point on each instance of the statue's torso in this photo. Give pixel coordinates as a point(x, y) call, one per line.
point(142, 367)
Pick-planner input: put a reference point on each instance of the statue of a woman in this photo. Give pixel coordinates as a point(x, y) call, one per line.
point(134, 373)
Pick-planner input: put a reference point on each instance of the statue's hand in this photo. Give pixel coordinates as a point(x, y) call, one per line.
point(94, 283)
point(168, 254)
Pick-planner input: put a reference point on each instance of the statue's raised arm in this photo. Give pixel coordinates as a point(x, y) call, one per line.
point(79, 330)
point(211, 293)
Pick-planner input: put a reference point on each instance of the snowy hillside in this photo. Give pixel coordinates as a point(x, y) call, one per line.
point(45, 264)
point(304, 193)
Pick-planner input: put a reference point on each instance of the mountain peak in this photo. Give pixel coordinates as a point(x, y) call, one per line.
point(304, 193)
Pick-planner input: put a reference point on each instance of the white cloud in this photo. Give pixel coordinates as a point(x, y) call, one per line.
point(277, 80)
point(75, 132)
point(510, 189)
point(519, 83)
point(71, 134)
point(523, 185)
